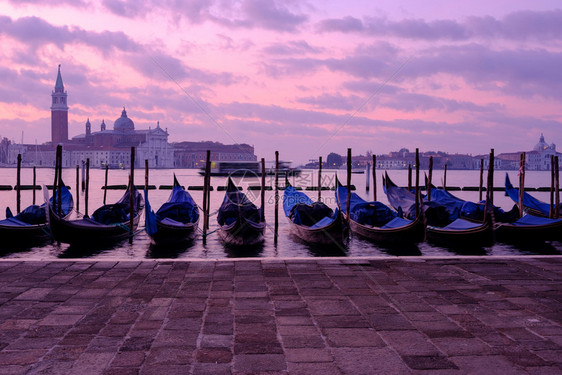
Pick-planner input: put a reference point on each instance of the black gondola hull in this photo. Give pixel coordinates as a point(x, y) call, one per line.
point(242, 233)
point(335, 233)
point(80, 232)
point(174, 234)
point(23, 236)
point(516, 234)
point(410, 234)
point(473, 238)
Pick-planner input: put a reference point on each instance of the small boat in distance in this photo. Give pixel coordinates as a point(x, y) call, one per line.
point(313, 222)
point(109, 224)
point(30, 227)
point(284, 169)
point(233, 168)
point(241, 222)
point(176, 221)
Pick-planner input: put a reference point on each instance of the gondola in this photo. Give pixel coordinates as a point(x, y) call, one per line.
point(444, 227)
point(531, 204)
point(176, 221)
point(463, 234)
point(30, 227)
point(379, 223)
point(470, 211)
point(313, 222)
point(109, 224)
point(530, 229)
point(241, 222)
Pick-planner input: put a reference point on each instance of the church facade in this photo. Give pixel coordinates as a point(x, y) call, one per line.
point(111, 147)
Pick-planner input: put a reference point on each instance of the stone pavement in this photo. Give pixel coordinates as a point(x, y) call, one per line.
point(467, 315)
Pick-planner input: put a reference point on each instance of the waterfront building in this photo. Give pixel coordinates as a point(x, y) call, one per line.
point(193, 154)
point(59, 112)
point(110, 147)
point(539, 158)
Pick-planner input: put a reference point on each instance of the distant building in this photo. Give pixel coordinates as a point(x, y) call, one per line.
point(458, 161)
point(193, 154)
point(104, 147)
point(539, 158)
point(59, 112)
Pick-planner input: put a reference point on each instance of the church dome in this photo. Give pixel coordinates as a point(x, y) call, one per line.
point(124, 123)
point(542, 145)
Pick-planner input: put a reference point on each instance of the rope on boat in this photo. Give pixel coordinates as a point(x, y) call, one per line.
point(122, 226)
point(211, 232)
point(208, 233)
point(211, 213)
point(137, 232)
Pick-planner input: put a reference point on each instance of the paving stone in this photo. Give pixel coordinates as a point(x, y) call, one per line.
point(21, 357)
point(136, 344)
point(386, 322)
point(331, 306)
point(437, 316)
point(423, 362)
point(305, 355)
point(485, 365)
point(454, 346)
point(303, 341)
point(214, 355)
point(45, 368)
point(342, 321)
point(353, 337)
point(212, 369)
point(216, 341)
point(297, 330)
point(257, 363)
point(410, 343)
point(91, 363)
point(168, 356)
point(369, 361)
point(128, 359)
point(313, 369)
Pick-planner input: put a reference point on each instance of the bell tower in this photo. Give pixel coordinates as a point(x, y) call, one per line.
point(59, 113)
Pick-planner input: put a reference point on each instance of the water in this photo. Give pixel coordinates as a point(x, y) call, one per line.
point(287, 246)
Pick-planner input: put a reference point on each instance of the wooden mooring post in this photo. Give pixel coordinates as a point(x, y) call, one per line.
point(18, 185)
point(132, 197)
point(276, 224)
point(320, 179)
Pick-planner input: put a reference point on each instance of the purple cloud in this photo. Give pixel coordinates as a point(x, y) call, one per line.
point(34, 31)
point(270, 15)
point(52, 3)
point(336, 101)
point(291, 48)
point(518, 25)
point(345, 25)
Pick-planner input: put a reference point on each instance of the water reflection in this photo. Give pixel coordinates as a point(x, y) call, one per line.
point(233, 251)
point(168, 251)
point(286, 246)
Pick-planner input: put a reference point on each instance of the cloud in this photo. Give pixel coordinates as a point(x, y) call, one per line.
point(299, 47)
point(273, 15)
point(516, 72)
point(36, 32)
point(335, 101)
point(52, 3)
point(519, 25)
point(345, 25)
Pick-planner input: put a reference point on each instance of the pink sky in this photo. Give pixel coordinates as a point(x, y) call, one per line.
point(302, 77)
